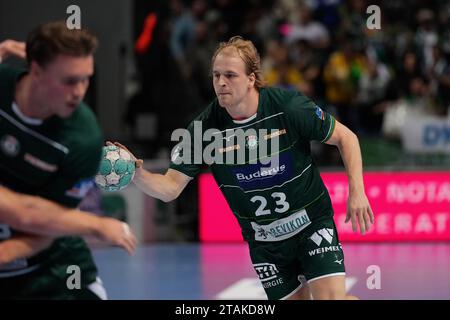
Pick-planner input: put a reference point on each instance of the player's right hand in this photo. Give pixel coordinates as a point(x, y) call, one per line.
point(138, 162)
point(117, 233)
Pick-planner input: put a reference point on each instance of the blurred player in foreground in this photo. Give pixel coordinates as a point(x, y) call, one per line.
point(50, 147)
point(43, 217)
point(283, 207)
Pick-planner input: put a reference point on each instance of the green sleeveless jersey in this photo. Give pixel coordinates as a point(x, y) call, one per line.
point(55, 159)
point(267, 191)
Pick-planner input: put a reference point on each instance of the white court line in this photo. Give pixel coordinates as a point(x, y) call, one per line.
point(251, 289)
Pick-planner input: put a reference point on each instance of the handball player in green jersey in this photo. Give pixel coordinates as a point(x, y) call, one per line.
point(50, 148)
point(278, 198)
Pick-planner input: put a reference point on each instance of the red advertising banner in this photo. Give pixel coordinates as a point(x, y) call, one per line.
point(408, 206)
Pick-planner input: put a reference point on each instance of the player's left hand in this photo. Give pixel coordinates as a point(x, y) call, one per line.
point(12, 48)
point(359, 212)
point(117, 233)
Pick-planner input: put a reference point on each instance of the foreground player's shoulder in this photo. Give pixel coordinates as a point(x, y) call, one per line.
point(83, 123)
point(8, 77)
point(9, 74)
point(6, 71)
point(82, 134)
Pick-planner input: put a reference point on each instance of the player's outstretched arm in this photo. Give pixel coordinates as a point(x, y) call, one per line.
point(12, 48)
point(358, 207)
point(166, 187)
point(40, 216)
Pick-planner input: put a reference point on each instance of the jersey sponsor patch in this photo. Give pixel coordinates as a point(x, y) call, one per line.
point(266, 271)
point(275, 134)
point(257, 176)
point(80, 189)
point(323, 239)
point(251, 142)
point(269, 275)
point(283, 228)
point(319, 113)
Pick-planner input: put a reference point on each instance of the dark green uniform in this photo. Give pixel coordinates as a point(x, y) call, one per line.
point(278, 197)
point(54, 159)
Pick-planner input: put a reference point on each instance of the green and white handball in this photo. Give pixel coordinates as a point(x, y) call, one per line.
point(117, 168)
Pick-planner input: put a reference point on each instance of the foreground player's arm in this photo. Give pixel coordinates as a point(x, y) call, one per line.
point(22, 246)
point(358, 207)
point(43, 217)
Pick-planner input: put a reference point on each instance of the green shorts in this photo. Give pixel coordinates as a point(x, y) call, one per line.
point(284, 266)
point(45, 284)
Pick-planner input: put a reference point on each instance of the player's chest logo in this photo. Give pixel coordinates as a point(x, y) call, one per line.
point(9, 145)
point(276, 171)
point(251, 142)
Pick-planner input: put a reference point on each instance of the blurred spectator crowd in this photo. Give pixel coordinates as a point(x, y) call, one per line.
point(322, 48)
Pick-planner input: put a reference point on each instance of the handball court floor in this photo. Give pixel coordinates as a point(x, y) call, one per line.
point(223, 271)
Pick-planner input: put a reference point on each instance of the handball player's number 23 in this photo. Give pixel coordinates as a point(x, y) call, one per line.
point(280, 200)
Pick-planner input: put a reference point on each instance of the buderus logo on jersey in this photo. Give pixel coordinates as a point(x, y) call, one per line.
point(256, 176)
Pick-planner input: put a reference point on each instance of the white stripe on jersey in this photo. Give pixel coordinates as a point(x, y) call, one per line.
point(231, 129)
point(34, 133)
